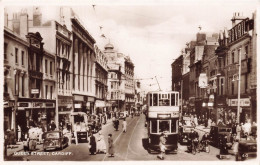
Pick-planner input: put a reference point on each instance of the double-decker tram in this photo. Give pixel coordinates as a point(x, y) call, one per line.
point(162, 117)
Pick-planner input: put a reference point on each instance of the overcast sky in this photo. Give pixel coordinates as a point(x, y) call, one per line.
point(153, 34)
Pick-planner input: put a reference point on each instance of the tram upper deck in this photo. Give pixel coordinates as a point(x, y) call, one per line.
point(163, 104)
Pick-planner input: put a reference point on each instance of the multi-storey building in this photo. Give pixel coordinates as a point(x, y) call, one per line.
point(129, 84)
point(116, 78)
point(83, 68)
point(16, 76)
point(57, 66)
point(242, 47)
point(101, 81)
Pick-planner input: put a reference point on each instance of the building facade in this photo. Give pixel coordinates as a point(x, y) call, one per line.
point(116, 78)
point(129, 84)
point(101, 81)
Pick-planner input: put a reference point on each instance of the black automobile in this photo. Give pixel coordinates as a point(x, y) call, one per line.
point(217, 133)
point(184, 132)
point(247, 149)
point(54, 140)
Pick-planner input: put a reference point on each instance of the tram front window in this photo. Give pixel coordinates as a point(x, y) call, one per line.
point(174, 125)
point(164, 126)
point(154, 126)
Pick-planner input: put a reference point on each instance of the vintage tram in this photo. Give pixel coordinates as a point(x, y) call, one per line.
point(162, 117)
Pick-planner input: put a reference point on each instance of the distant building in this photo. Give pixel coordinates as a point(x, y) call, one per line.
point(101, 81)
point(129, 84)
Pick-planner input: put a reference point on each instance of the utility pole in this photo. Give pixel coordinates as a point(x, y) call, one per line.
point(238, 92)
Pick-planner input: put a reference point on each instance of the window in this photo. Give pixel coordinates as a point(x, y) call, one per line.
point(155, 99)
point(232, 88)
point(22, 57)
point(153, 126)
point(173, 103)
point(46, 66)
point(164, 126)
point(246, 50)
point(221, 86)
point(50, 68)
point(46, 91)
point(174, 126)
point(22, 85)
point(164, 101)
point(151, 99)
point(5, 51)
point(16, 55)
point(233, 57)
point(51, 88)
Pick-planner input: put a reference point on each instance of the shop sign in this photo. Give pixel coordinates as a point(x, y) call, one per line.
point(203, 80)
point(238, 31)
point(91, 99)
point(35, 91)
point(78, 98)
point(100, 103)
point(50, 105)
point(243, 102)
point(23, 104)
point(77, 105)
point(37, 105)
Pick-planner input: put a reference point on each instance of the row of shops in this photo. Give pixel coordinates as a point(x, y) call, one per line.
point(222, 108)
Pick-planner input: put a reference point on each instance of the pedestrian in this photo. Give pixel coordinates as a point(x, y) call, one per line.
point(19, 133)
point(116, 124)
point(247, 127)
point(92, 145)
point(209, 122)
point(101, 145)
point(52, 126)
point(238, 131)
point(111, 150)
point(195, 120)
point(213, 124)
point(124, 125)
point(162, 146)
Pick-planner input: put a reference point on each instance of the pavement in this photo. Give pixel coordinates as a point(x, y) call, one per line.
point(19, 145)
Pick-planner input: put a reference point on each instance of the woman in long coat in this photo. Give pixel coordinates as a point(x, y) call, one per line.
point(111, 149)
point(101, 145)
point(93, 145)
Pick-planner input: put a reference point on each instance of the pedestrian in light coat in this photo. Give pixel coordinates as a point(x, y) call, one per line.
point(124, 125)
point(111, 150)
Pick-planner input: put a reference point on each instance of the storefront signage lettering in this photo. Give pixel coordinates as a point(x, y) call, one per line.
point(91, 99)
point(238, 31)
point(23, 105)
point(38, 105)
point(49, 105)
point(77, 105)
point(35, 91)
point(243, 102)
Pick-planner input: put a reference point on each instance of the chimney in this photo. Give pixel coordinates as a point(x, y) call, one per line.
point(37, 16)
point(16, 23)
point(237, 17)
point(23, 23)
point(6, 20)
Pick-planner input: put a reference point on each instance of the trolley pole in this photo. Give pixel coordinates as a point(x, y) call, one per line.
point(158, 83)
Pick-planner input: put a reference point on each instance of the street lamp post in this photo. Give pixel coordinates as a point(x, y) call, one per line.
point(238, 92)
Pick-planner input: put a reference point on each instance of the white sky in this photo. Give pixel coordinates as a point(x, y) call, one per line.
point(153, 34)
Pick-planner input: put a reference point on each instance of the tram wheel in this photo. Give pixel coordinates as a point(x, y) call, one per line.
point(149, 150)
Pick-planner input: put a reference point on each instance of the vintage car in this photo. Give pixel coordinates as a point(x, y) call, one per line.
point(122, 115)
point(184, 132)
point(217, 133)
point(54, 140)
point(137, 113)
point(247, 149)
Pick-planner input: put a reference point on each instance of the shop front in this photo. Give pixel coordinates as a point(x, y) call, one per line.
point(90, 104)
point(65, 107)
point(79, 103)
point(100, 106)
point(245, 108)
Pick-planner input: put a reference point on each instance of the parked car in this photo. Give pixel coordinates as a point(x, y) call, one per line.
point(184, 132)
point(54, 140)
point(247, 149)
point(217, 133)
